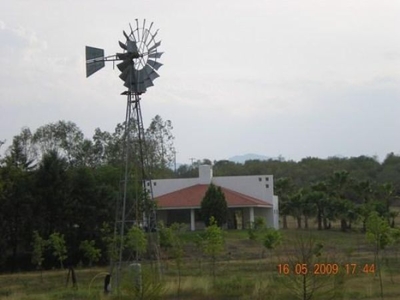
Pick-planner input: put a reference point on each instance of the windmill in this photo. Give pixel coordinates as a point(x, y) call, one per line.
point(138, 63)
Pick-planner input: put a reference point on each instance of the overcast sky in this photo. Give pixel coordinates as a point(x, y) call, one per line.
point(292, 78)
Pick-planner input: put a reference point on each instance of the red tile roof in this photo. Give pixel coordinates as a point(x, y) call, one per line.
point(191, 197)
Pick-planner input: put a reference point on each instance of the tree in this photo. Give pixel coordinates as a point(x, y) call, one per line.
point(39, 245)
point(160, 143)
point(284, 188)
point(109, 241)
point(214, 205)
point(319, 197)
point(300, 276)
point(52, 193)
point(136, 241)
point(16, 177)
point(271, 238)
point(386, 194)
point(171, 242)
point(268, 238)
point(90, 202)
point(177, 250)
point(57, 242)
point(379, 234)
point(62, 137)
point(256, 229)
point(256, 232)
point(107, 148)
point(90, 251)
point(309, 207)
point(364, 190)
point(22, 153)
point(213, 243)
point(296, 206)
point(338, 183)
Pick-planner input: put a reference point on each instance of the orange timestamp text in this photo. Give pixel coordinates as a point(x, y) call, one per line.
point(325, 269)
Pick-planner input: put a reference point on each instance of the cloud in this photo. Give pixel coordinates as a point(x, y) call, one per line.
point(19, 44)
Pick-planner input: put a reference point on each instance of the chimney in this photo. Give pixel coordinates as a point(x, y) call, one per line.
point(205, 174)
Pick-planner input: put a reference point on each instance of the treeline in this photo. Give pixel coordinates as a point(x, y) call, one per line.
point(56, 182)
point(345, 190)
point(307, 170)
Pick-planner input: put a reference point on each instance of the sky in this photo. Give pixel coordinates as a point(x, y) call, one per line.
point(278, 78)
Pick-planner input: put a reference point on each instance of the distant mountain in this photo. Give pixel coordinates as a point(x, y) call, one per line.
point(250, 156)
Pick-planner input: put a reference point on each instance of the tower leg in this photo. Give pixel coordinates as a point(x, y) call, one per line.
point(142, 211)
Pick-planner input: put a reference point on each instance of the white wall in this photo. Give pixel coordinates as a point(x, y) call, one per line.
point(165, 186)
point(205, 174)
point(249, 185)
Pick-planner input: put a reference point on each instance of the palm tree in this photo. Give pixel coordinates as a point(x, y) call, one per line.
point(309, 207)
point(338, 184)
point(284, 188)
point(363, 190)
point(319, 196)
point(296, 206)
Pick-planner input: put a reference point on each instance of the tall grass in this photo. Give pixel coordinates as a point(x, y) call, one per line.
point(241, 274)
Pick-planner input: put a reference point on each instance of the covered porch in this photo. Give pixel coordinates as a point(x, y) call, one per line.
point(238, 217)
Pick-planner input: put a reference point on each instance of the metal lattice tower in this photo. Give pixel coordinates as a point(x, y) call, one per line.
point(138, 66)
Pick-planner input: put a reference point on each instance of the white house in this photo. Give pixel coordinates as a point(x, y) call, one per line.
point(247, 197)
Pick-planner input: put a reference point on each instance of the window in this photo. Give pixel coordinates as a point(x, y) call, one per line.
point(154, 183)
point(148, 183)
point(266, 178)
point(267, 186)
point(259, 179)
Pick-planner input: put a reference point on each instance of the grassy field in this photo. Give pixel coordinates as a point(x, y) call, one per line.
point(244, 271)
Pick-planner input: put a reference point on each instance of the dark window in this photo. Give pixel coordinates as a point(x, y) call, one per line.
point(267, 186)
point(259, 179)
point(266, 178)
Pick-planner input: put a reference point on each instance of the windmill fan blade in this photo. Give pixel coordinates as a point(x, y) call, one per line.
point(151, 74)
point(154, 46)
point(126, 73)
point(124, 56)
point(156, 54)
point(122, 45)
point(131, 45)
point(155, 65)
point(127, 36)
point(148, 83)
point(142, 75)
point(123, 65)
point(131, 79)
point(136, 88)
point(141, 88)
